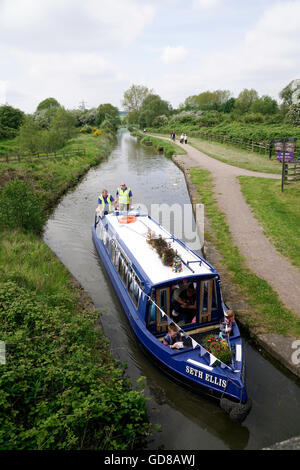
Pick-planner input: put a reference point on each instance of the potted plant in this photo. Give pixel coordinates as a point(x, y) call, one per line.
point(218, 347)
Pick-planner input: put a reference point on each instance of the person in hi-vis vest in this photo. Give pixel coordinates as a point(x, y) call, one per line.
point(105, 203)
point(124, 197)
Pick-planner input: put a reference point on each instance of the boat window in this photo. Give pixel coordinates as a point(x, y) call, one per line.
point(114, 254)
point(162, 300)
point(133, 288)
point(208, 299)
point(122, 269)
point(107, 243)
point(184, 291)
point(136, 293)
point(101, 231)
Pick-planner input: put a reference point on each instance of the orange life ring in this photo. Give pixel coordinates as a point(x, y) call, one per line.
point(127, 219)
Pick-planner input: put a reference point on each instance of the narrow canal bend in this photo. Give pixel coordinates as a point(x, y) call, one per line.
point(187, 421)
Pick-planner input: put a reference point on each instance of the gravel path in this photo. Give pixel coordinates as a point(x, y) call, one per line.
point(261, 256)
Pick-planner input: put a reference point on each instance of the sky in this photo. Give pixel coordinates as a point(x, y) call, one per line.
point(92, 51)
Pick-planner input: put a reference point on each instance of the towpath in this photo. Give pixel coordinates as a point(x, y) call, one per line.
point(261, 256)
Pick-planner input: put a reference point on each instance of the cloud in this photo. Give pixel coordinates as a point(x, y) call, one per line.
point(205, 4)
point(173, 55)
point(269, 51)
point(90, 22)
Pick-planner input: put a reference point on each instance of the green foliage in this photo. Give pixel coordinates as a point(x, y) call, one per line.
point(218, 347)
point(208, 100)
point(286, 94)
point(29, 135)
point(20, 206)
point(264, 105)
point(61, 128)
point(109, 114)
point(48, 103)
point(134, 97)
point(60, 387)
point(10, 121)
point(293, 114)
point(152, 107)
point(244, 100)
point(10, 117)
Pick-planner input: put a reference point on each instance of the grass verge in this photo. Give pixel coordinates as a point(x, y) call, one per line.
point(267, 314)
point(278, 212)
point(236, 157)
point(51, 177)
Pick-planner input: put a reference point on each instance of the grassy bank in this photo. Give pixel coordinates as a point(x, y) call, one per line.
point(278, 212)
point(267, 314)
point(60, 387)
point(168, 147)
point(236, 157)
point(51, 177)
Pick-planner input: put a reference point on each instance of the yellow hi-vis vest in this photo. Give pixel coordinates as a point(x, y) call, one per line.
point(124, 196)
point(108, 202)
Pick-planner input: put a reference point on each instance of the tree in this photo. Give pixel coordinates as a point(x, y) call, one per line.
point(62, 127)
point(152, 107)
point(293, 115)
point(264, 105)
point(228, 106)
point(29, 135)
point(286, 94)
point(244, 100)
point(11, 117)
point(48, 103)
point(134, 97)
point(109, 113)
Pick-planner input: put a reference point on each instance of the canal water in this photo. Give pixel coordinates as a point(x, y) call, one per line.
point(188, 421)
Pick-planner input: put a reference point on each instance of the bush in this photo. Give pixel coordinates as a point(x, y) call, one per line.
point(60, 388)
point(21, 207)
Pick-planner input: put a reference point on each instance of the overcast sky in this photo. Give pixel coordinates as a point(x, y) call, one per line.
point(94, 50)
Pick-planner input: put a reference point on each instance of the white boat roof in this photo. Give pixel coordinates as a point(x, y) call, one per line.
point(133, 235)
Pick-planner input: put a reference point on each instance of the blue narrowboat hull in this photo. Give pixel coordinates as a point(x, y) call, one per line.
point(185, 366)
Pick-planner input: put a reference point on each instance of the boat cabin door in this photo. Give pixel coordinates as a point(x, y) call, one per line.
point(207, 300)
point(162, 301)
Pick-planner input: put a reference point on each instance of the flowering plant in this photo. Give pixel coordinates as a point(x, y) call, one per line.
point(218, 347)
point(162, 247)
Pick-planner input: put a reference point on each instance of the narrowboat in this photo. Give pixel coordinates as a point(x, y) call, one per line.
point(148, 282)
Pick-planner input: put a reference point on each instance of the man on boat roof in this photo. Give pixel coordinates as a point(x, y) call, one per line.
point(105, 203)
point(124, 197)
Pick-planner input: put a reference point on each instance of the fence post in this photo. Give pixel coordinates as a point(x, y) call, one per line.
point(283, 171)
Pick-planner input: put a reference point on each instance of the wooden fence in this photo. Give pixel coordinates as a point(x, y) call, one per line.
point(291, 172)
point(250, 145)
point(40, 155)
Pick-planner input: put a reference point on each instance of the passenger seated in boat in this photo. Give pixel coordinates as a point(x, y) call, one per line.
point(184, 307)
point(173, 338)
point(227, 324)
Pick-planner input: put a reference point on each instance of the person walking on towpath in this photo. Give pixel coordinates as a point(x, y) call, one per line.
point(124, 197)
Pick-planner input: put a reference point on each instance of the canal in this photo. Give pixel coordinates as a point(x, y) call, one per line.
point(187, 421)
